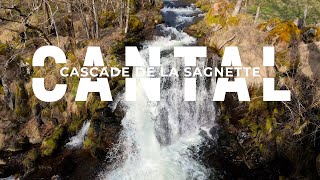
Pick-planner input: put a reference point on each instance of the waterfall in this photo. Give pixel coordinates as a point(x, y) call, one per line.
point(77, 140)
point(160, 140)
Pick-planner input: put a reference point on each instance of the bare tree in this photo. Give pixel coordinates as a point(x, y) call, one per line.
point(96, 21)
point(24, 20)
point(70, 24)
point(257, 15)
point(80, 7)
point(237, 8)
point(127, 17)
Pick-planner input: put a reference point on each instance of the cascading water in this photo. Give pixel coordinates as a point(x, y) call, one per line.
point(157, 137)
point(77, 140)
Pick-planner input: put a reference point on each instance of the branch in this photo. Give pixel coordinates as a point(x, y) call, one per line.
point(227, 42)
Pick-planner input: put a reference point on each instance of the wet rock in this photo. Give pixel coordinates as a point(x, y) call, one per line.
point(32, 131)
point(310, 34)
point(21, 101)
point(2, 162)
point(56, 177)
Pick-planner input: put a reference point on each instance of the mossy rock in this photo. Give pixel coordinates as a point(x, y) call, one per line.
point(219, 12)
point(29, 161)
point(134, 6)
point(1, 90)
point(286, 64)
point(91, 142)
point(310, 34)
point(46, 114)
point(135, 25)
point(118, 47)
point(107, 19)
point(269, 25)
point(50, 144)
point(28, 60)
point(75, 124)
point(285, 32)
point(215, 20)
point(21, 101)
point(158, 19)
point(271, 124)
point(71, 57)
point(4, 49)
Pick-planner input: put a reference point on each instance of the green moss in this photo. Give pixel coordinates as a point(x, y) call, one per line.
point(21, 100)
point(215, 19)
point(30, 158)
point(73, 83)
point(61, 105)
point(115, 63)
point(257, 105)
point(90, 142)
point(135, 25)
point(71, 57)
point(75, 124)
point(158, 19)
point(118, 47)
point(50, 144)
point(285, 64)
point(269, 24)
point(271, 123)
point(46, 113)
point(4, 49)
point(286, 32)
point(312, 38)
point(234, 20)
point(133, 6)
point(28, 60)
point(107, 19)
point(1, 90)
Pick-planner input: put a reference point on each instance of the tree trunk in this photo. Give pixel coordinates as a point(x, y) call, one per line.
point(96, 21)
point(257, 15)
point(121, 15)
point(127, 17)
point(237, 8)
point(47, 20)
point(54, 24)
point(84, 21)
point(71, 31)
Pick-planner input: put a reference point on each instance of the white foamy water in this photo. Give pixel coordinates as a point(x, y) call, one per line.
point(160, 140)
point(77, 140)
point(187, 11)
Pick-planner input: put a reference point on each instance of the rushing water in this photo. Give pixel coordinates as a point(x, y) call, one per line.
point(77, 140)
point(160, 140)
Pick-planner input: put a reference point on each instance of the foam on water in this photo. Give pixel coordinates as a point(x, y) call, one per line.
point(160, 140)
point(77, 140)
point(187, 11)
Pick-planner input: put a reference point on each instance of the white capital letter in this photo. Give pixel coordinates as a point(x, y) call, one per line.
point(38, 83)
point(269, 94)
point(93, 57)
point(86, 86)
point(190, 54)
point(151, 88)
point(231, 57)
point(239, 86)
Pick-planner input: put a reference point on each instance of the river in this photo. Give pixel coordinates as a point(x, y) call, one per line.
point(160, 140)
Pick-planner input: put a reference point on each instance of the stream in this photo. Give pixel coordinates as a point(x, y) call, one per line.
point(160, 140)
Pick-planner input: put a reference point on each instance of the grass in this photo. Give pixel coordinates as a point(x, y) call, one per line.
point(286, 9)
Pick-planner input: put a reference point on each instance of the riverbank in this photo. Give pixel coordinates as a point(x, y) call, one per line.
point(33, 134)
point(264, 140)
